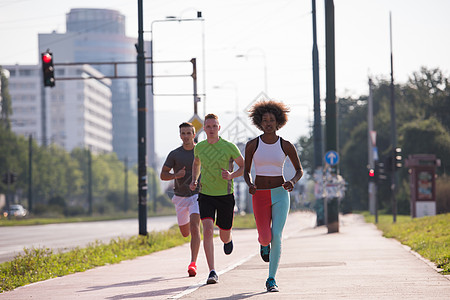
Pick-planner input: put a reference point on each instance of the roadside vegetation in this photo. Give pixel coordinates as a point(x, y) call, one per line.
point(36, 220)
point(428, 236)
point(39, 264)
point(423, 126)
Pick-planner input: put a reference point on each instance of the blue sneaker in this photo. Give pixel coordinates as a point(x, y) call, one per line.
point(212, 278)
point(265, 253)
point(228, 248)
point(271, 285)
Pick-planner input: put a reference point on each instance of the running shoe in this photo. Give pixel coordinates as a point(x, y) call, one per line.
point(271, 285)
point(192, 269)
point(212, 278)
point(228, 248)
point(265, 253)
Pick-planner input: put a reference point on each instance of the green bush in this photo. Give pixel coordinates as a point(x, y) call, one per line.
point(76, 210)
point(443, 195)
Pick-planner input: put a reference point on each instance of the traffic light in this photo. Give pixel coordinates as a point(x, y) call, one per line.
point(398, 158)
point(388, 164)
point(48, 70)
point(380, 171)
point(372, 175)
point(9, 178)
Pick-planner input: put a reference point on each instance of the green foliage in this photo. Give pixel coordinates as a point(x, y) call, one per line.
point(6, 107)
point(443, 194)
point(423, 126)
point(437, 139)
point(57, 173)
point(428, 236)
point(244, 221)
point(306, 153)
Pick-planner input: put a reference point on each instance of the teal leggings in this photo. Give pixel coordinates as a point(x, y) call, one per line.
point(271, 208)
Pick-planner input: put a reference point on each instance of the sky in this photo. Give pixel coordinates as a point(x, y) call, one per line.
point(245, 47)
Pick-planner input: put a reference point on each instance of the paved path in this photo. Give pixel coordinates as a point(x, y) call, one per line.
point(356, 263)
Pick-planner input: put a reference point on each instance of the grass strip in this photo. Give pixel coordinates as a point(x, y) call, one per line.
point(39, 264)
point(428, 236)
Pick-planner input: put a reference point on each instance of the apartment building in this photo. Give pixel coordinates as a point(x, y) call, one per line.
point(75, 113)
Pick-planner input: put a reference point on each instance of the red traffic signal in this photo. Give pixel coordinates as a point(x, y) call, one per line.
point(47, 58)
point(48, 71)
point(371, 175)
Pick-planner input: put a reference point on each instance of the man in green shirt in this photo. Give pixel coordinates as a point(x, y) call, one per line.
point(214, 158)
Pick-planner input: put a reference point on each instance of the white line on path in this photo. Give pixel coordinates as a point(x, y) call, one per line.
point(194, 287)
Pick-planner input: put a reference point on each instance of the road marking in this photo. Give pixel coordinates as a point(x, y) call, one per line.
point(201, 283)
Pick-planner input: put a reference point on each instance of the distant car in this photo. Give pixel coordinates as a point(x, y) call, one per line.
point(17, 210)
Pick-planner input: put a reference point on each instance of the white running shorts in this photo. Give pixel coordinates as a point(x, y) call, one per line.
point(185, 206)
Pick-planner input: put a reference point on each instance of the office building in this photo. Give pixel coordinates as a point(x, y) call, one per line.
point(78, 113)
point(98, 35)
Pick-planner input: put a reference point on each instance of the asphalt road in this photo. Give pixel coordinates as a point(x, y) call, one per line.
point(70, 235)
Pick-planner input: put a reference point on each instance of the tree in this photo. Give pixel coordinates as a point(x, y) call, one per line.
point(415, 133)
point(306, 153)
point(422, 122)
point(5, 97)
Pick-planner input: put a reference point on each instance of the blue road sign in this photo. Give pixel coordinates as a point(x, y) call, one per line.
point(331, 157)
point(375, 153)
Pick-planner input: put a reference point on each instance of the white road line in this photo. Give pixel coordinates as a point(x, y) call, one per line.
point(194, 287)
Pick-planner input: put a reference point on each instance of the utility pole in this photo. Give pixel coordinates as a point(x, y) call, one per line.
point(43, 114)
point(194, 77)
point(125, 186)
point(317, 132)
point(90, 181)
point(142, 110)
point(30, 173)
point(371, 144)
point(332, 205)
point(393, 132)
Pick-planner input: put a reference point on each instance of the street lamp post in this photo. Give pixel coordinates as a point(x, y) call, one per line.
point(263, 54)
point(176, 19)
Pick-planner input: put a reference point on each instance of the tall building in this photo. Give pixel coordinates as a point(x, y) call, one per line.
point(25, 90)
point(98, 35)
point(78, 112)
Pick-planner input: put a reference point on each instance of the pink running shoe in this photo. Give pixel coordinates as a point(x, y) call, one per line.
point(192, 269)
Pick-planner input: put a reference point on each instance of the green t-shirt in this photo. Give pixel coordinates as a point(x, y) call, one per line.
point(214, 157)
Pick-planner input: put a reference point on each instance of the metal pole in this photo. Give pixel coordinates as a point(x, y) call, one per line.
point(393, 131)
point(43, 115)
point(30, 173)
point(125, 188)
point(194, 77)
point(316, 82)
point(90, 181)
point(142, 110)
point(331, 115)
point(8, 192)
point(154, 190)
point(370, 145)
point(204, 67)
point(318, 155)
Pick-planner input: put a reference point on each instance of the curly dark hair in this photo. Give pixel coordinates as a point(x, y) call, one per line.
point(278, 109)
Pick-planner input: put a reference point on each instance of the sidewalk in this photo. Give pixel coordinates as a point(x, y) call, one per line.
point(356, 263)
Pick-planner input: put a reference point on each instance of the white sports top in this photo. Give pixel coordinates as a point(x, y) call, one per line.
point(269, 158)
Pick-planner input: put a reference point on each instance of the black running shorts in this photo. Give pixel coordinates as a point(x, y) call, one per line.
point(223, 205)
